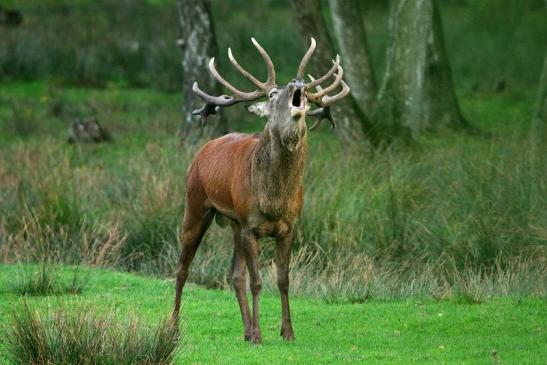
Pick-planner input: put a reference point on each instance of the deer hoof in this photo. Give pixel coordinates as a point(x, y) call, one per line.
point(256, 338)
point(287, 334)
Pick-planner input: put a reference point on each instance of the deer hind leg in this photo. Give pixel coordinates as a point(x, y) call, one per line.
point(239, 282)
point(193, 228)
point(282, 261)
point(251, 251)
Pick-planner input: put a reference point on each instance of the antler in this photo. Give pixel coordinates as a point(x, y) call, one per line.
point(325, 101)
point(305, 59)
point(213, 103)
point(321, 98)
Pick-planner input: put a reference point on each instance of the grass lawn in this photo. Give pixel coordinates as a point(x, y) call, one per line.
point(409, 331)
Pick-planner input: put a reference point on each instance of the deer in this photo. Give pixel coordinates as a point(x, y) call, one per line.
point(254, 182)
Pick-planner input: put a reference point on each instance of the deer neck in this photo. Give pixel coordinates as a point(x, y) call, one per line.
point(277, 172)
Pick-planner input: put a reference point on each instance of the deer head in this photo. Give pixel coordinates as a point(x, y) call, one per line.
point(286, 107)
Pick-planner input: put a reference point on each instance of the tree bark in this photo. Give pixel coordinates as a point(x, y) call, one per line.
point(350, 120)
point(351, 37)
point(417, 92)
point(198, 44)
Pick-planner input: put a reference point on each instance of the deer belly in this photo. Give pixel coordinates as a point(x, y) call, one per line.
point(230, 213)
point(264, 227)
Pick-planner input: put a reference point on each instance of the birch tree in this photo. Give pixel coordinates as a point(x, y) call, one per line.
point(351, 37)
point(417, 92)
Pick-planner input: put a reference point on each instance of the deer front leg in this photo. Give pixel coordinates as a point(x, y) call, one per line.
point(251, 251)
point(237, 273)
point(282, 261)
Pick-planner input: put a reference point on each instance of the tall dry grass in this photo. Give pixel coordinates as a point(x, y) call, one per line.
point(392, 224)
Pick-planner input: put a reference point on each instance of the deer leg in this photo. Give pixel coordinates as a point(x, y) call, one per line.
point(237, 273)
point(282, 261)
point(251, 251)
point(193, 229)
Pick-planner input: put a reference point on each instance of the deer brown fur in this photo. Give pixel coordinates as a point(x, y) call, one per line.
point(254, 182)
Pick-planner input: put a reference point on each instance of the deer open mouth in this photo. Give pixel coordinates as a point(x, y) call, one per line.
point(298, 104)
point(296, 99)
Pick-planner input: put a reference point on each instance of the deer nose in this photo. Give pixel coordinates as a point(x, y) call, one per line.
point(298, 84)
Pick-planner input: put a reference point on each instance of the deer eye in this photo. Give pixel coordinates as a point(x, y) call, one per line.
point(273, 93)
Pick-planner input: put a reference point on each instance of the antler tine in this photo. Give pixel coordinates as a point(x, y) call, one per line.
point(305, 59)
point(269, 64)
point(321, 98)
point(241, 95)
point(222, 100)
point(213, 103)
point(328, 89)
point(328, 100)
point(320, 113)
point(244, 72)
point(314, 81)
point(334, 67)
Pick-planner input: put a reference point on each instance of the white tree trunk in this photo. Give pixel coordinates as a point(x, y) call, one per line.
point(350, 33)
point(417, 92)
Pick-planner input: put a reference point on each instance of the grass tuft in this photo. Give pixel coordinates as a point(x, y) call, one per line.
point(46, 280)
point(79, 336)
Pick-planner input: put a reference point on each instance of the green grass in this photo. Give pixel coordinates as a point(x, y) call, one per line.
point(408, 331)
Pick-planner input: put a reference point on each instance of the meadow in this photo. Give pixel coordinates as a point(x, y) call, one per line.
point(456, 209)
point(501, 331)
point(430, 253)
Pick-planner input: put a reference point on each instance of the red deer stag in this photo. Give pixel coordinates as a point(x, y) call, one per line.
point(254, 181)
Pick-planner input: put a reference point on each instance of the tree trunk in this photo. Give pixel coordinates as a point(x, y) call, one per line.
point(198, 45)
point(350, 34)
point(350, 120)
point(417, 92)
point(539, 129)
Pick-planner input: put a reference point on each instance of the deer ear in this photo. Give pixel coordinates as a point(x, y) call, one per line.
point(260, 109)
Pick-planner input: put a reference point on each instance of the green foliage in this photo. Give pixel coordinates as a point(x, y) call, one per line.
point(495, 45)
point(107, 41)
point(81, 336)
point(102, 43)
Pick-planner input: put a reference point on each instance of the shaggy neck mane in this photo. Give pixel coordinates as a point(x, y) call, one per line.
point(277, 172)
